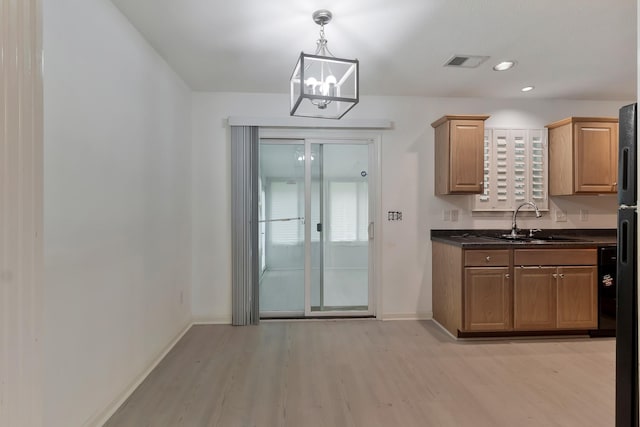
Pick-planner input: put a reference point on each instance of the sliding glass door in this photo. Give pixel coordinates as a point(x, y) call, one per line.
point(316, 228)
point(281, 204)
point(340, 227)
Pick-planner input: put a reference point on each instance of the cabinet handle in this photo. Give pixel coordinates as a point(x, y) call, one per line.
point(488, 258)
point(506, 276)
point(561, 276)
point(481, 182)
point(615, 183)
point(554, 275)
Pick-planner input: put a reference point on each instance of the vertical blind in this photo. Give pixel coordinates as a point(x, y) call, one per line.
point(244, 225)
point(286, 201)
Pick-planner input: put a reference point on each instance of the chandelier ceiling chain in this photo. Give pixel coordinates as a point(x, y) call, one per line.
point(322, 48)
point(322, 17)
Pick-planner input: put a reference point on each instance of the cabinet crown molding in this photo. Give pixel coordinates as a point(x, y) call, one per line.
point(581, 119)
point(446, 118)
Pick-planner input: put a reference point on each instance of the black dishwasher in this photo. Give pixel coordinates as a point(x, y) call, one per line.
point(607, 264)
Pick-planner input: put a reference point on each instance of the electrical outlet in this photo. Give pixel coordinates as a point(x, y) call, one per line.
point(561, 216)
point(584, 215)
point(454, 215)
point(446, 215)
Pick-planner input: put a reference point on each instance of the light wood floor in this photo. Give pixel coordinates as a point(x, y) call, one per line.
point(372, 373)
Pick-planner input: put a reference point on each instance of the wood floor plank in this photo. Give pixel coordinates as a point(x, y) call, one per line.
point(369, 373)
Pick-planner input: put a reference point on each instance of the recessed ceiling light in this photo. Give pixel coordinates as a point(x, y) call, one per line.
point(504, 65)
point(528, 88)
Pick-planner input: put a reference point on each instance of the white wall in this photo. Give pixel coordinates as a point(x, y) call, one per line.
point(407, 186)
point(117, 208)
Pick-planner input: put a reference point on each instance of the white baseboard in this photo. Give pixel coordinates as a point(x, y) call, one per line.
point(211, 321)
point(428, 315)
point(108, 412)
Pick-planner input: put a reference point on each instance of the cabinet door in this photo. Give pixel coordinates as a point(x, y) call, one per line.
point(577, 298)
point(487, 299)
point(466, 158)
point(596, 157)
point(534, 306)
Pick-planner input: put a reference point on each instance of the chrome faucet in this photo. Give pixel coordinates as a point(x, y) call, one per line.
point(514, 226)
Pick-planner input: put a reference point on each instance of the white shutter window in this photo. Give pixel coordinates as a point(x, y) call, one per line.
point(285, 203)
point(487, 161)
point(343, 215)
point(363, 211)
point(262, 226)
point(515, 163)
point(315, 211)
point(348, 211)
point(520, 181)
point(502, 162)
point(538, 169)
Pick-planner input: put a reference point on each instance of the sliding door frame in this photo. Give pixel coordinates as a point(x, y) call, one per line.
point(341, 136)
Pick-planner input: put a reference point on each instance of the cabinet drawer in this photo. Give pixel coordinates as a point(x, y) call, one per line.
point(480, 258)
point(555, 257)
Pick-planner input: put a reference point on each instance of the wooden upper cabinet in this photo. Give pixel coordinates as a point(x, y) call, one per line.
point(459, 154)
point(583, 156)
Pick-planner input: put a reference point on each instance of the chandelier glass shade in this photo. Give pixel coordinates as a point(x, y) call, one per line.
point(322, 85)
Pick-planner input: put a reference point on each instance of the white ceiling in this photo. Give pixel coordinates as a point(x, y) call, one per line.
point(567, 49)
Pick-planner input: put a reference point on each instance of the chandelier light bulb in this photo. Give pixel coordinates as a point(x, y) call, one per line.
point(329, 86)
point(311, 83)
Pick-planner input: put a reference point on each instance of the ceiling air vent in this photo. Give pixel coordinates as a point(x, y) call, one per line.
point(465, 61)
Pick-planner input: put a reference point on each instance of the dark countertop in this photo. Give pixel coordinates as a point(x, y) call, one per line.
point(485, 239)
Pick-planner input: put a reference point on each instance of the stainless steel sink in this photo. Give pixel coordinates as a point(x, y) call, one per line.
point(515, 238)
point(558, 239)
point(538, 239)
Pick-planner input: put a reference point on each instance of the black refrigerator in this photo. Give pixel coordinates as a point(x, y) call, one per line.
point(627, 272)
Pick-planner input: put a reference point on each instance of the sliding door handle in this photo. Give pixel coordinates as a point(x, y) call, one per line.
point(370, 231)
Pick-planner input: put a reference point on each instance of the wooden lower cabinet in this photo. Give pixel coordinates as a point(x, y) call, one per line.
point(577, 298)
point(478, 291)
point(487, 299)
point(535, 304)
point(548, 298)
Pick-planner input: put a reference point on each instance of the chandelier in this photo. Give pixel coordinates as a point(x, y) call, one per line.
point(321, 84)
